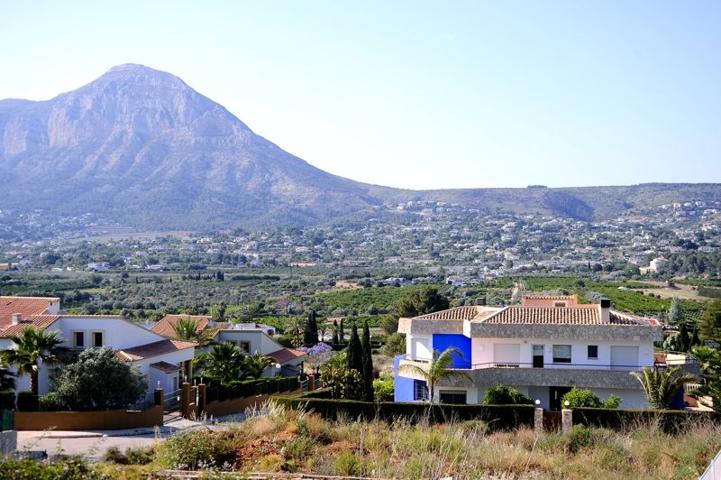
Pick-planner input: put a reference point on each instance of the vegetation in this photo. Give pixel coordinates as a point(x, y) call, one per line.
point(584, 398)
point(505, 395)
point(710, 363)
point(188, 329)
point(710, 324)
point(438, 369)
point(30, 348)
point(661, 386)
point(98, 381)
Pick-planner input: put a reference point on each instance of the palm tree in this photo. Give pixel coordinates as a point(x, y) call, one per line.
point(661, 385)
point(256, 364)
point(187, 329)
point(438, 369)
point(30, 347)
point(224, 363)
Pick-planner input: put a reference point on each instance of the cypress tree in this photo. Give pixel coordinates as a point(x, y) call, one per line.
point(683, 338)
point(355, 351)
point(310, 333)
point(341, 332)
point(335, 332)
point(694, 339)
point(367, 364)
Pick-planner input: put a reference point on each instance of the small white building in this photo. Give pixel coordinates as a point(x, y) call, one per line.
point(250, 337)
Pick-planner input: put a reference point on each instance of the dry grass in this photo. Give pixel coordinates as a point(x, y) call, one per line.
point(301, 442)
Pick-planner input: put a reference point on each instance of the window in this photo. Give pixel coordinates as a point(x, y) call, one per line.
point(97, 339)
point(245, 346)
point(79, 339)
point(593, 352)
point(561, 354)
point(538, 356)
point(457, 397)
point(420, 390)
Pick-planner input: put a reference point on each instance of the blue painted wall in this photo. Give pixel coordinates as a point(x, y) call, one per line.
point(442, 341)
point(402, 386)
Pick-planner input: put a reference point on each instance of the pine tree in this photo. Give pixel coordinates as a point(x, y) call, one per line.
point(710, 323)
point(355, 351)
point(341, 332)
point(310, 333)
point(367, 364)
point(335, 332)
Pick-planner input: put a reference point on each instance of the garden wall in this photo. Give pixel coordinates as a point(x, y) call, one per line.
point(103, 420)
point(498, 417)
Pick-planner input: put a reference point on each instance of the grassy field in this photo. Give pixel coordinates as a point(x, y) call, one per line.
point(292, 441)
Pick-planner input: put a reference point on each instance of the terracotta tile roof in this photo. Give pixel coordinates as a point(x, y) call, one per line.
point(27, 306)
point(39, 322)
point(165, 367)
point(285, 355)
point(547, 315)
point(165, 325)
point(457, 313)
point(152, 350)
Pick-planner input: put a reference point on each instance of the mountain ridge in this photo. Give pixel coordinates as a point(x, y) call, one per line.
point(138, 146)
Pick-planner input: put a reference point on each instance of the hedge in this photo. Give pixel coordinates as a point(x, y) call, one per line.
point(7, 400)
point(498, 417)
point(249, 388)
point(670, 421)
point(27, 402)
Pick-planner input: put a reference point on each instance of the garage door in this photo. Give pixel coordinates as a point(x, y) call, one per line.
point(624, 358)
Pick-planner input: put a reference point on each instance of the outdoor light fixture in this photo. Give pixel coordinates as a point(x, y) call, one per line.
point(538, 402)
point(566, 403)
point(278, 365)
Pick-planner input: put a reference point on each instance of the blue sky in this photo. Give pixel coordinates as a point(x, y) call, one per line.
point(417, 94)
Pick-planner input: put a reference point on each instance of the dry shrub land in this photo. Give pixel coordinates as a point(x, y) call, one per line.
point(293, 441)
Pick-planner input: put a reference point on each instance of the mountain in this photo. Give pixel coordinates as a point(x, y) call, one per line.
point(140, 147)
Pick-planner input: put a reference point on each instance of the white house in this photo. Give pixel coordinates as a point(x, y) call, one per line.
point(250, 337)
point(162, 361)
point(543, 347)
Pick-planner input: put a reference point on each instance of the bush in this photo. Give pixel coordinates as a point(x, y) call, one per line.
point(505, 395)
point(578, 437)
point(194, 450)
point(52, 403)
point(383, 389)
point(27, 402)
point(613, 401)
point(395, 345)
point(65, 469)
point(7, 400)
point(581, 398)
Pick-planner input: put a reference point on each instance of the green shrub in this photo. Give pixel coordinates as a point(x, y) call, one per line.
point(194, 450)
point(505, 395)
point(52, 403)
point(114, 455)
point(577, 438)
point(347, 464)
point(383, 389)
point(140, 455)
point(64, 469)
point(613, 401)
point(581, 398)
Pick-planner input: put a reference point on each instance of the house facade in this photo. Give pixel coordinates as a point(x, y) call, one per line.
point(163, 362)
point(543, 347)
point(250, 337)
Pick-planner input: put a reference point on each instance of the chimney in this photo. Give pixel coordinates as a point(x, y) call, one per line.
point(17, 318)
point(605, 310)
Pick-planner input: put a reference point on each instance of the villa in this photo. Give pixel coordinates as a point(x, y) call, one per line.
point(543, 347)
point(164, 362)
point(250, 337)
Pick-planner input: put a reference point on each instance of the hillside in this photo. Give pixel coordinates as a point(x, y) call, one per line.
point(141, 148)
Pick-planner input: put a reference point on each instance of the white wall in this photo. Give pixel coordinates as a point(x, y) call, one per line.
point(259, 341)
point(150, 374)
point(419, 347)
point(117, 332)
point(482, 351)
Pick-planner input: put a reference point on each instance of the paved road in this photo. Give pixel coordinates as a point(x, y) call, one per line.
point(93, 445)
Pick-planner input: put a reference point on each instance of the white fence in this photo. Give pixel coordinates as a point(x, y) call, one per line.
point(713, 472)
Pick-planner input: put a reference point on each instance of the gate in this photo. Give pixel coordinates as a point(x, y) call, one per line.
point(171, 402)
point(552, 421)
